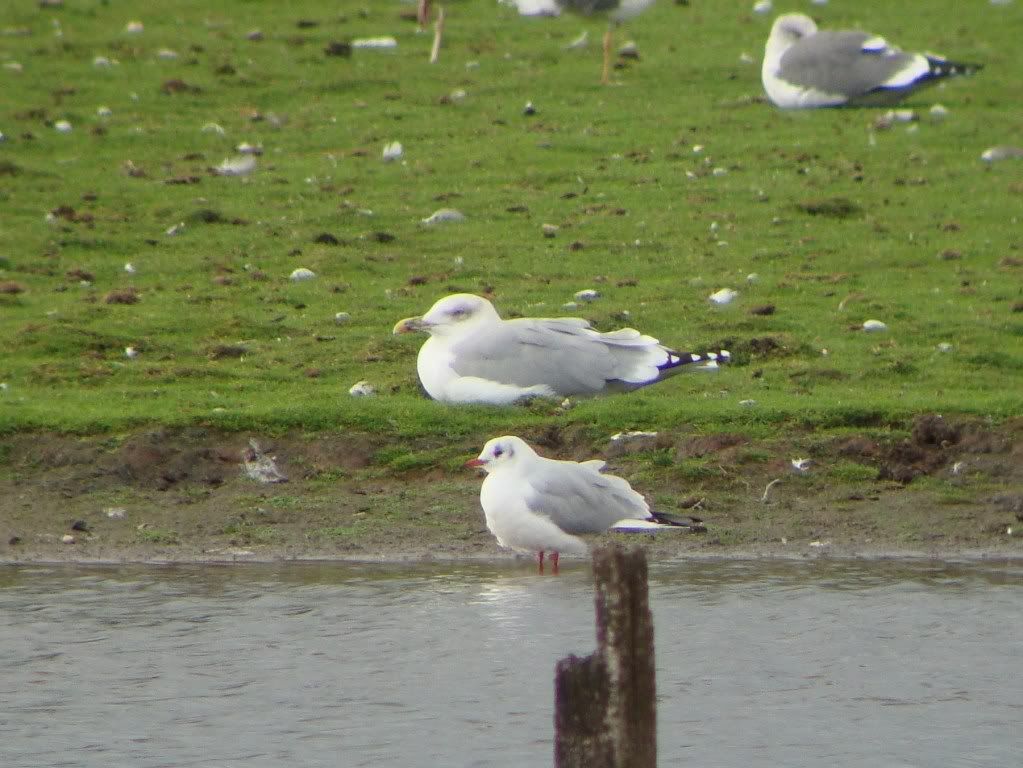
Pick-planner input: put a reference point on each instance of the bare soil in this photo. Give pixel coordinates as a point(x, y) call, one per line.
point(943, 488)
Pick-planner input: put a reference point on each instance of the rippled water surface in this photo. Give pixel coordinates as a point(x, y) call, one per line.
point(758, 664)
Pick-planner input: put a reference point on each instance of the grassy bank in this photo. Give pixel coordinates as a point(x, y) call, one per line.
point(665, 188)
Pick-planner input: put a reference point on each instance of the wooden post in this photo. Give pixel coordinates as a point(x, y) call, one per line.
point(605, 713)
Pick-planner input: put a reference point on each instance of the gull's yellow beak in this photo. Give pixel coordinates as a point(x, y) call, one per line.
point(409, 325)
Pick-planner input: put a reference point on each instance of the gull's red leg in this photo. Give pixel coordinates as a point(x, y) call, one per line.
point(554, 559)
point(539, 562)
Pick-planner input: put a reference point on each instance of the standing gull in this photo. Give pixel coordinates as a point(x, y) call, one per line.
point(533, 504)
point(617, 11)
point(806, 68)
point(473, 356)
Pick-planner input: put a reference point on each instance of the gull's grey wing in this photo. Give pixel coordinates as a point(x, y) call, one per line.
point(837, 63)
point(563, 354)
point(578, 499)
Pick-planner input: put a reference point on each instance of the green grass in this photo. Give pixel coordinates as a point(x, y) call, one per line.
point(614, 167)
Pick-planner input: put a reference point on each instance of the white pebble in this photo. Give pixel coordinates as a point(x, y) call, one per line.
point(993, 154)
point(801, 465)
point(763, 6)
point(166, 54)
point(745, 58)
point(131, 353)
point(129, 268)
point(175, 229)
point(587, 295)
point(301, 274)
point(375, 42)
point(874, 326)
point(101, 61)
point(939, 112)
point(945, 347)
point(62, 126)
point(570, 306)
point(747, 403)
point(362, 389)
point(392, 151)
point(213, 128)
point(134, 27)
point(249, 149)
point(67, 538)
point(340, 318)
point(104, 111)
point(752, 278)
point(549, 230)
point(116, 513)
point(239, 166)
point(722, 297)
point(719, 171)
point(443, 215)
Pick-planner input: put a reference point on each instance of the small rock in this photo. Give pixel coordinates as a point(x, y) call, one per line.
point(249, 149)
point(747, 403)
point(945, 347)
point(392, 151)
point(104, 111)
point(239, 166)
point(134, 28)
point(301, 274)
point(62, 126)
point(443, 215)
point(116, 513)
point(175, 229)
point(382, 43)
point(549, 230)
point(340, 318)
point(763, 7)
point(129, 268)
point(131, 353)
point(587, 295)
point(213, 128)
point(258, 466)
point(994, 154)
point(938, 112)
point(362, 389)
point(529, 110)
point(723, 297)
point(874, 326)
point(801, 466)
point(67, 538)
point(80, 525)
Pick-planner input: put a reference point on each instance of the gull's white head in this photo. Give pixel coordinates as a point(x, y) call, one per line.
point(502, 452)
point(791, 28)
point(452, 315)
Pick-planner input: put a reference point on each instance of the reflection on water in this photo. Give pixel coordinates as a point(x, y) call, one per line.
point(759, 664)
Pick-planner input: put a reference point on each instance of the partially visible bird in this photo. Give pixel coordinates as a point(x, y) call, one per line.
point(804, 67)
point(533, 504)
point(473, 356)
point(617, 11)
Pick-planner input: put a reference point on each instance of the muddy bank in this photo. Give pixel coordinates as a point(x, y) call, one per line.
point(942, 487)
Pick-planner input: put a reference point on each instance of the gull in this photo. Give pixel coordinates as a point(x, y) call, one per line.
point(806, 68)
point(617, 11)
point(473, 356)
point(534, 504)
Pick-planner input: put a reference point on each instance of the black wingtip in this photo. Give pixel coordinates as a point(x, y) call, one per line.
point(694, 524)
point(944, 68)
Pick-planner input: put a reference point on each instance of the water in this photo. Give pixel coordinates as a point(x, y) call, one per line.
point(758, 664)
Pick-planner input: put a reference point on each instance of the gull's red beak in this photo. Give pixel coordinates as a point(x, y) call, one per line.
point(475, 463)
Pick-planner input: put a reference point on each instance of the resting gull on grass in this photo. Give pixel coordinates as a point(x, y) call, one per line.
point(806, 68)
point(473, 356)
point(617, 11)
point(533, 504)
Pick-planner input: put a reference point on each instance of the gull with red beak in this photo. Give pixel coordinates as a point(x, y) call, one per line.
point(533, 504)
point(473, 356)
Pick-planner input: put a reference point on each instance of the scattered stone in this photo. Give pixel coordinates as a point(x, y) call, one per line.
point(874, 326)
point(134, 28)
point(260, 467)
point(131, 353)
point(340, 318)
point(239, 166)
point(325, 238)
point(549, 230)
point(994, 154)
point(587, 295)
point(116, 513)
point(723, 297)
point(362, 389)
point(762, 309)
point(80, 525)
point(62, 126)
point(14, 541)
point(443, 215)
point(11, 288)
point(249, 149)
point(381, 43)
point(801, 466)
point(763, 7)
point(122, 296)
point(529, 110)
point(392, 151)
point(301, 274)
point(336, 48)
point(67, 538)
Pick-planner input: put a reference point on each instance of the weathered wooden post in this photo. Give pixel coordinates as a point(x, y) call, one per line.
point(605, 713)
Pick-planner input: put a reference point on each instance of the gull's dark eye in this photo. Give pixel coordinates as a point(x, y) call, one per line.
point(460, 312)
point(498, 451)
